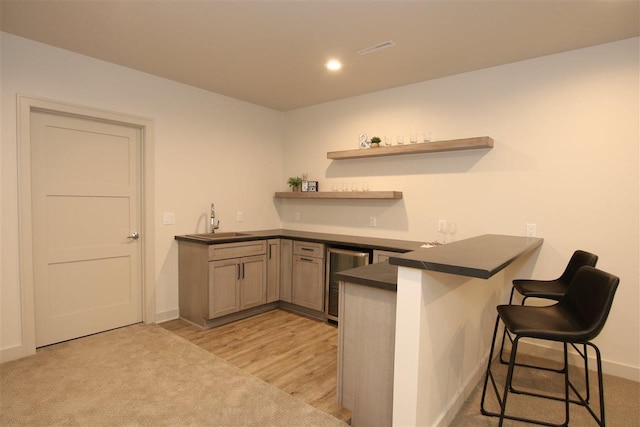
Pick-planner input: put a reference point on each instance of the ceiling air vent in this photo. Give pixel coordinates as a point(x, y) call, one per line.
point(379, 46)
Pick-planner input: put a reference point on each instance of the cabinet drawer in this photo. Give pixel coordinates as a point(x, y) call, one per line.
point(315, 250)
point(237, 250)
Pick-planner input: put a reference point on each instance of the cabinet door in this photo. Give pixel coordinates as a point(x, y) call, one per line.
point(253, 282)
point(382, 256)
point(308, 286)
point(224, 280)
point(273, 270)
point(286, 269)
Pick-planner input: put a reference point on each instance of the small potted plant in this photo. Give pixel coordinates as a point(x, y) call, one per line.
point(294, 183)
point(375, 141)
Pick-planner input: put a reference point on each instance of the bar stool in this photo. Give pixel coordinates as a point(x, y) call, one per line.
point(553, 290)
point(577, 319)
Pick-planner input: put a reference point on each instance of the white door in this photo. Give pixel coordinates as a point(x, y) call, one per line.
point(86, 214)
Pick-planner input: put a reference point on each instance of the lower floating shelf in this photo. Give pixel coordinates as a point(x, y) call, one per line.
point(375, 195)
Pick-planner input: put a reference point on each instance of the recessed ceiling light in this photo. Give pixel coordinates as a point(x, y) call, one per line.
point(334, 65)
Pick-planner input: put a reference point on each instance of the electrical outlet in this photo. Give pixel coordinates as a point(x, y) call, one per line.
point(442, 226)
point(169, 218)
point(239, 216)
point(296, 216)
point(531, 230)
point(372, 221)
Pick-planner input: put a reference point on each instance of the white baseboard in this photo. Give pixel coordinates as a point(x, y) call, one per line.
point(17, 351)
point(11, 353)
point(165, 316)
point(452, 409)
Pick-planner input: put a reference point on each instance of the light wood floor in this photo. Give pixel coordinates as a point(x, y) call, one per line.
point(291, 352)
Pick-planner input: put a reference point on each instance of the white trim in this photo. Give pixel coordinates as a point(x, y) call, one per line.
point(26, 105)
point(11, 353)
point(165, 316)
point(477, 375)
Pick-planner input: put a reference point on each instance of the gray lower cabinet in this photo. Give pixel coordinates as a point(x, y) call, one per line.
point(218, 280)
point(273, 270)
point(286, 269)
point(237, 284)
point(366, 348)
point(307, 288)
point(382, 256)
point(224, 295)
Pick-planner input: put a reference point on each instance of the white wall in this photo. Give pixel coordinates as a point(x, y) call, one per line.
point(566, 131)
point(566, 137)
point(208, 148)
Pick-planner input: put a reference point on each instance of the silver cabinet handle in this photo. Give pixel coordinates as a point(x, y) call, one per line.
point(134, 236)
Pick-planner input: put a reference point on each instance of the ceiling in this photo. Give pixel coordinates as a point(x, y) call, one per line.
point(272, 53)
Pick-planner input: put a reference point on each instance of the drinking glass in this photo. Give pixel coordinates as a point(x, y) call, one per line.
point(413, 138)
point(400, 139)
point(388, 141)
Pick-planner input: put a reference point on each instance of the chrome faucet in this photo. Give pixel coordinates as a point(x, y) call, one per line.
point(214, 224)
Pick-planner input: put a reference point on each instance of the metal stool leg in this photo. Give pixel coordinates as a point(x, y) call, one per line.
point(600, 420)
point(507, 383)
point(504, 332)
point(488, 374)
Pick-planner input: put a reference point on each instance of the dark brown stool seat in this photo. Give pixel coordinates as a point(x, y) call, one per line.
point(554, 289)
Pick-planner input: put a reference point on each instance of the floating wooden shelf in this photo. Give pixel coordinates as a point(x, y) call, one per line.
point(423, 147)
point(378, 195)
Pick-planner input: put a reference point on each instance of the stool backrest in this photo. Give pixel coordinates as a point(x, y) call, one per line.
point(589, 299)
point(578, 259)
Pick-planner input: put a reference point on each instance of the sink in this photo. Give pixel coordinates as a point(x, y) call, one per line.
point(213, 236)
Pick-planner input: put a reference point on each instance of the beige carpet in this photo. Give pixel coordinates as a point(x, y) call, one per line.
point(142, 375)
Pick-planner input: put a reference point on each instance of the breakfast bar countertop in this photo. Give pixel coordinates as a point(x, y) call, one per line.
point(481, 256)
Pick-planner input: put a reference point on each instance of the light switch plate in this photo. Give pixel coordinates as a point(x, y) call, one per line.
point(169, 218)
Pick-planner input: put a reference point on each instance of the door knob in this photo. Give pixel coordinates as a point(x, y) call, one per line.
point(134, 236)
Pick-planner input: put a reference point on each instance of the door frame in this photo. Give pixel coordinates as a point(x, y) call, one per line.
point(25, 106)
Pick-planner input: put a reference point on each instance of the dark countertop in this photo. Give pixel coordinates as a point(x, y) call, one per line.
point(330, 239)
point(381, 275)
point(480, 257)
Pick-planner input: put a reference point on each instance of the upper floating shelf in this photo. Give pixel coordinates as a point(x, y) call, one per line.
point(423, 147)
point(378, 195)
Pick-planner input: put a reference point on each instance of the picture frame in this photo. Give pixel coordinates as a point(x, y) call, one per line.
point(304, 186)
point(312, 186)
